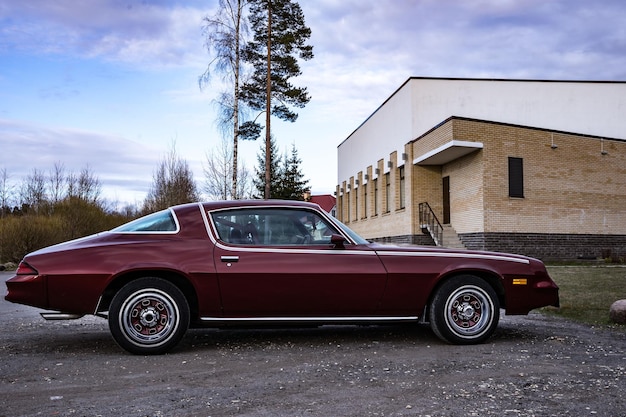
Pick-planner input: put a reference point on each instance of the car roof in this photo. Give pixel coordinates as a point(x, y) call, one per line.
point(216, 205)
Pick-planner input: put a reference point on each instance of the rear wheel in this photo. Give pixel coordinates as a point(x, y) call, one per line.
point(148, 316)
point(465, 310)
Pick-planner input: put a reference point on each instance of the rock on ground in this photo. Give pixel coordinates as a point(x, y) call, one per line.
point(618, 312)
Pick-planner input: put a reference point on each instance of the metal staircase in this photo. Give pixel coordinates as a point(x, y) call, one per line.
point(430, 224)
point(441, 235)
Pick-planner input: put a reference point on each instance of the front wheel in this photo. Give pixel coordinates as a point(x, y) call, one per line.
point(465, 310)
point(148, 316)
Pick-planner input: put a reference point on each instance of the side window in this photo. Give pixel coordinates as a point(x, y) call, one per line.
point(272, 227)
point(516, 177)
point(318, 231)
point(159, 222)
point(238, 227)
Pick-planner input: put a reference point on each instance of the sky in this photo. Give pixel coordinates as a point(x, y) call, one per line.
point(112, 85)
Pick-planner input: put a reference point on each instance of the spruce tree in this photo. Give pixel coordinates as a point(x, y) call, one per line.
point(274, 170)
point(292, 184)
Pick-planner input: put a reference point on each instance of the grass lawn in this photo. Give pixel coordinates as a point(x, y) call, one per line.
point(587, 292)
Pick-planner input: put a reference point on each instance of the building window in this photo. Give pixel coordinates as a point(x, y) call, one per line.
point(387, 192)
point(341, 205)
point(402, 193)
point(365, 212)
point(356, 204)
point(376, 197)
point(516, 177)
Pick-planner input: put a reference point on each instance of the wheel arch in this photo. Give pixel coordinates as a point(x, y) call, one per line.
point(493, 279)
point(176, 278)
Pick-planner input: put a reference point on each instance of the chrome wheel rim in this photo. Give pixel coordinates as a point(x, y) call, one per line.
point(469, 311)
point(149, 317)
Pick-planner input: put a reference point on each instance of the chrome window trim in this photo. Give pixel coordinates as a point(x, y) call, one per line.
point(322, 250)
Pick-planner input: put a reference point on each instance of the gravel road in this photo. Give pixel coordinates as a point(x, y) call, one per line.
point(533, 366)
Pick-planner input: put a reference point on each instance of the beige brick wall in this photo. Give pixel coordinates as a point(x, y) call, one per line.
point(467, 206)
point(391, 219)
point(433, 139)
point(573, 188)
point(427, 180)
point(466, 180)
point(578, 187)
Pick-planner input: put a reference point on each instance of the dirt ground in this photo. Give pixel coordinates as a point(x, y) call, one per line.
point(533, 366)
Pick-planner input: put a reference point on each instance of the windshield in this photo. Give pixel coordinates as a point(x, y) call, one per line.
point(162, 221)
point(353, 235)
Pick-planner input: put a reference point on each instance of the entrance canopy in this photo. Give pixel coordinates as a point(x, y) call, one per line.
point(447, 152)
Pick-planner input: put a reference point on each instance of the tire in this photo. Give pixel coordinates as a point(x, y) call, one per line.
point(465, 310)
point(148, 316)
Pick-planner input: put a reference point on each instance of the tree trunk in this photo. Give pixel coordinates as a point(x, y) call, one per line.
point(234, 194)
point(268, 103)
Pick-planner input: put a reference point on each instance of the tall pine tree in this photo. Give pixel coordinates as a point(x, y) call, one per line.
point(280, 37)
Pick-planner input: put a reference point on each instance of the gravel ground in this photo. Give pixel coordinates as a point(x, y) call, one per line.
point(533, 366)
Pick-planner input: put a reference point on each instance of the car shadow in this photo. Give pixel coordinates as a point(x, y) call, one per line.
point(509, 330)
point(307, 337)
point(79, 339)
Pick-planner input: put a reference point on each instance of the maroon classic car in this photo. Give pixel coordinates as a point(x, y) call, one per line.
point(262, 262)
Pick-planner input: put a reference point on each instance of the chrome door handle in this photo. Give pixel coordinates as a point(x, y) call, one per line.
point(230, 258)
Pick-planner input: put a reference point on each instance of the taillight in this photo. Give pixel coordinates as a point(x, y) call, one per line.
point(25, 269)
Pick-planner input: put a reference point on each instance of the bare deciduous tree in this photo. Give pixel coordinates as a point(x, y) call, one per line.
point(56, 182)
point(84, 186)
point(225, 34)
point(217, 172)
point(5, 192)
point(33, 191)
point(173, 184)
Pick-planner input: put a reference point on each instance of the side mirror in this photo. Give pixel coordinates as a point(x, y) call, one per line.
point(337, 241)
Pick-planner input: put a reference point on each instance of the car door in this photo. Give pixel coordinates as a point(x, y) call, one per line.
point(280, 262)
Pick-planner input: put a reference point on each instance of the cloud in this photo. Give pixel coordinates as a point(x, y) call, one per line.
point(124, 167)
point(469, 39)
point(365, 49)
point(384, 41)
point(150, 33)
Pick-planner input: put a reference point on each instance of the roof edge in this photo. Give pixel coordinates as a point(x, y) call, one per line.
point(541, 129)
point(408, 80)
point(530, 80)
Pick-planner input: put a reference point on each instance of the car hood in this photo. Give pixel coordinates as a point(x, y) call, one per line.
point(440, 251)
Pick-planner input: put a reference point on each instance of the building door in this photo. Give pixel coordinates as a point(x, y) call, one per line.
point(446, 200)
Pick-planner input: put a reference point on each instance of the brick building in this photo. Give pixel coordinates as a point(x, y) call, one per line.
point(530, 167)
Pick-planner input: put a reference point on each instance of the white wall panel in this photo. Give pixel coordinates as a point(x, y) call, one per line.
point(591, 108)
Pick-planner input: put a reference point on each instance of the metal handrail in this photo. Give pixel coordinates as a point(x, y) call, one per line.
point(429, 222)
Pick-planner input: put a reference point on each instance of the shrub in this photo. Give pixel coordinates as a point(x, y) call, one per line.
point(23, 234)
point(69, 219)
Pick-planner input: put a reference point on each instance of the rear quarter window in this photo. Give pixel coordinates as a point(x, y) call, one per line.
point(160, 222)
